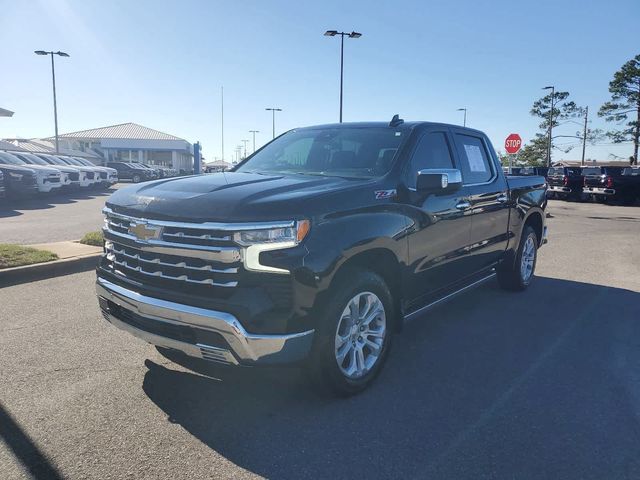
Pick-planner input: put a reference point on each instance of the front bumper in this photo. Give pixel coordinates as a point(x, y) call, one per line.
point(188, 329)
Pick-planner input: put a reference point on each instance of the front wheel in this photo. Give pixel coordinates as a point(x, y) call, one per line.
point(518, 276)
point(354, 335)
point(136, 179)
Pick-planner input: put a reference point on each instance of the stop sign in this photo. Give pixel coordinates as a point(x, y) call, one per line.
point(513, 143)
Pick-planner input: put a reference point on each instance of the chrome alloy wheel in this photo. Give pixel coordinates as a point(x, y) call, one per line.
point(361, 334)
point(528, 259)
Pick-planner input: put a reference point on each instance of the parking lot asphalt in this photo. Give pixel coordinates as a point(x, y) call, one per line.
point(54, 217)
point(541, 384)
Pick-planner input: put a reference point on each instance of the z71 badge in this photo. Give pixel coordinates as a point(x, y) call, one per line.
point(382, 194)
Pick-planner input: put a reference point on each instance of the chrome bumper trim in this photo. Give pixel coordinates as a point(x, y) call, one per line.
point(555, 188)
point(246, 348)
point(601, 191)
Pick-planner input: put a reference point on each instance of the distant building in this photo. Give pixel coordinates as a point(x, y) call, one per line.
point(591, 163)
point(126, 142)
point(217, 166)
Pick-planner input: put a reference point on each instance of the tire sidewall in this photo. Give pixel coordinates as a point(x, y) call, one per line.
point(323, 360)
point(136, 179)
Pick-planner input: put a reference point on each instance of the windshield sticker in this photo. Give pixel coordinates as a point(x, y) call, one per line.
point(474, 155)
point(382, 194)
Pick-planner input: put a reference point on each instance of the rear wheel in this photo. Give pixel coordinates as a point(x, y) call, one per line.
point(136, 179)
point(354, 335)
point(518, 276)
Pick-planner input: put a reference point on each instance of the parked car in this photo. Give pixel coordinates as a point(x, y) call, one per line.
point(108, 176)
point(130, 171)
point(47, 178)
point(318, 246)
point(99, 175)
point(541, 171)
point(70, 177)
point(18, 181)
point(611, 184)
point(2, 190)
point(565, 182)
point(156, 169)
point(86, 175)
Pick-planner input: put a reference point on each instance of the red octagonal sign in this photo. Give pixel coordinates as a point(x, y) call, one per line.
point(513, 143)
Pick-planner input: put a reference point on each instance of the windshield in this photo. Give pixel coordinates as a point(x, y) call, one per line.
point(339, 152)
point(10, 159)
point(72, 161)
point(591, 171)
point(32, 159)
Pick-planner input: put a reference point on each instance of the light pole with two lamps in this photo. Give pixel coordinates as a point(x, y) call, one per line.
point(53, 76)
point(333, 33)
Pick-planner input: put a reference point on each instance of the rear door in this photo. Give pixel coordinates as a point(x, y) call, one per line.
point(439, 237)
point(488, 195)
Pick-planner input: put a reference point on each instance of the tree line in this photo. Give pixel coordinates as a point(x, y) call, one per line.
point(555, 109)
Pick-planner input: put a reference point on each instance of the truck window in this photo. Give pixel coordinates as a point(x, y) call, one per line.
point(474, 161)
point(432, 151)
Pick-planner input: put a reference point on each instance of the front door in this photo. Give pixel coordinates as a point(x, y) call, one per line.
point(439, 237)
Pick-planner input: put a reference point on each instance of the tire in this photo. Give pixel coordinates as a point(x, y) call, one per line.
point(516, 276)
point(327, 372)
point(136, 179)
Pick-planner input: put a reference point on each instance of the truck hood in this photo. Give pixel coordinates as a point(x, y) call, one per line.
point(232, 197)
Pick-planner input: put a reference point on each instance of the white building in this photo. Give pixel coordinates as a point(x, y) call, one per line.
point(130, 142)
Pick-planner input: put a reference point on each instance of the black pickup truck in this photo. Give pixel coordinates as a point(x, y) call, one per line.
point(565, 183)
point(612, 184)
point(318, 246)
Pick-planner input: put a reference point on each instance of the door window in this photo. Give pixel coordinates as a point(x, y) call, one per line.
point(474, 161)
point(431, 152)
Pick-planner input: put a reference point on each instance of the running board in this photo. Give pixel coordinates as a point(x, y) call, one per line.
point(448, 297)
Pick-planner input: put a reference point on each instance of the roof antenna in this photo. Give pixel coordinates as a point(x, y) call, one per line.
point(396, 121)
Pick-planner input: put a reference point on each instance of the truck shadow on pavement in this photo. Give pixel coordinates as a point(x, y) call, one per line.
point(46, 201)
point(492, 384)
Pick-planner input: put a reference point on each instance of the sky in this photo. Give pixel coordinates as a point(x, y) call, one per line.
point(162, 64)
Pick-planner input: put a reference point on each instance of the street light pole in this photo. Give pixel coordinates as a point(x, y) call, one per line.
point(464, 123)
point(273, 120)
point(245, 147)
point(333, 33)
point(254, 138)
point(553, 91)
point(53, 77)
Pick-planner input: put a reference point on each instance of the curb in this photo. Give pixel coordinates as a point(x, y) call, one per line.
point(41, 271)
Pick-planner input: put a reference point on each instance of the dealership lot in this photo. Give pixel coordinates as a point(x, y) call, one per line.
point(52, 218)
point(543, 384)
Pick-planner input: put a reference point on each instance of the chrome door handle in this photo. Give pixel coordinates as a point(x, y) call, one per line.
point(502, 198)
point(463, 205)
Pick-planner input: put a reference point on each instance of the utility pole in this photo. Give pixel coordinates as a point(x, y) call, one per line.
point(553, 91)
point(222, 113)
point(245, 147)
point(254, 138)
point(584, 134)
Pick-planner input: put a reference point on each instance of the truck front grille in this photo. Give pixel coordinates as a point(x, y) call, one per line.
point(134, 262)
point(74, 176)
point(171, 255)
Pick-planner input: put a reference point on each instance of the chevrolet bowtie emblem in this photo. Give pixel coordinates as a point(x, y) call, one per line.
point(144, 231)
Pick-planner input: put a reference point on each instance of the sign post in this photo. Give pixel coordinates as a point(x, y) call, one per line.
point(512, 145)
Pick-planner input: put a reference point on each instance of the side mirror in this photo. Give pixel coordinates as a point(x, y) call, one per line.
point(438, 180)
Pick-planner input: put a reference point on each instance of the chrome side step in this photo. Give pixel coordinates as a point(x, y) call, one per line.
point(448, 297)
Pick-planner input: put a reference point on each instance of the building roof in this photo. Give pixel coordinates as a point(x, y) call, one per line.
point(5, 113)
point(10, 146)
point(36, 145)
point(122, 131)
point(592, 163)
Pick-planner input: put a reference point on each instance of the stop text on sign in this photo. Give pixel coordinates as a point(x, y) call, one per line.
point(513, 143)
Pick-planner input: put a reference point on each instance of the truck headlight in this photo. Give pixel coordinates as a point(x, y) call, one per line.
point(265, 239)
point(293, 234)
point(16, 176)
